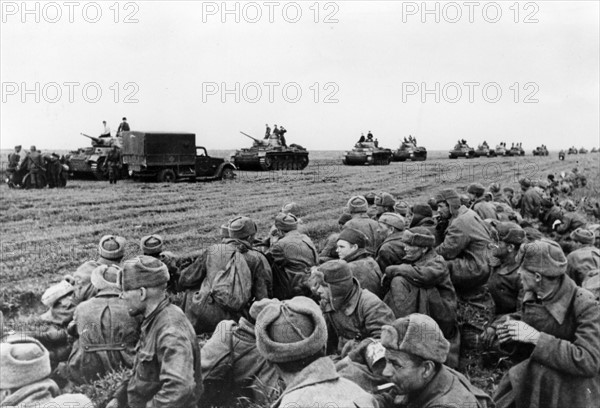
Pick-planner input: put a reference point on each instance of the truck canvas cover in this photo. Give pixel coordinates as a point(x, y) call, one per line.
point(156, 148)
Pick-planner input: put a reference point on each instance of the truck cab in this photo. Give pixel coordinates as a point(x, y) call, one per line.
point(168, 157)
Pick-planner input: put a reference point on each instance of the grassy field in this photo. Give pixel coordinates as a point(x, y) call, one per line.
point(48, 233)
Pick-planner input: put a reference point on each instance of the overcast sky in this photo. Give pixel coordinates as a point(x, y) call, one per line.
point(364, 65)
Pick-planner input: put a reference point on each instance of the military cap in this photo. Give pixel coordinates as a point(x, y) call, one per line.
point(418, 335)
point(583, 236)
point(242, 227)
point(384, 200)
point(107, 277)
point(143, 271)
point(510, 232)
point(545, 257)
point(353, 236)
point(292, 208)
point(111, 247)
point(84, 272)
point(401, 207)
point(290, 330)
point(56, 291)
point(357, 204)
point(423, 210)
point(124, 118)
point(286, 222)
point(419, 237)
point(151, 244)
point(525, 182)
point(224, 230)
point(476, 188)
point(494, 187)
point(392, 220)
point(512, 190)
point(344, 218)
point(18, 146)
point(23, 360)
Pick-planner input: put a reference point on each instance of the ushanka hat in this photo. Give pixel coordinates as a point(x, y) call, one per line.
point(583, 236)
point(476, 188)
point(152, 244)
point(419, 237)
point(55, 292)
point(286, 222)
point(384, 200)
point(416, 334)
point(545, 257)
point(510, 232)
point(354, 237)
point(111, 247)
point(143, 271)
point(357, 204)
point(392, 220)
point(107, 277)
point(449, 196)
point(242, 227)
point(23, 360)
point(290, 330)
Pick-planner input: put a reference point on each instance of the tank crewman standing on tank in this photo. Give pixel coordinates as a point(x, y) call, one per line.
point(35, 167)
point(282, 131)
point(123, 127)
point(113, 162)
point(362, 138)
point(105, 130)
point(369, 136)
point(267, 131)
point(276, 131)
point(14, 159)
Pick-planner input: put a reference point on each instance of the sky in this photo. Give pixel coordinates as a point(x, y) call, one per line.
point(328, 71)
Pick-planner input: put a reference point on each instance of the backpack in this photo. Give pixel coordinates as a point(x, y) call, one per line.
point(224, 292)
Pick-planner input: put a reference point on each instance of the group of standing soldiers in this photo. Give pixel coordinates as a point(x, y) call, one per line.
point(278, 132)
point(397, 297)
point(35, 170)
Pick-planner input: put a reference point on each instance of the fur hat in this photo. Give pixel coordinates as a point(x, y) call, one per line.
point(423, 210)
point(84, 272)
point(370, 197)
point(357, 204)
point(416, 334)
point(337, 275)
point(476, 188)
point(290, 330)
point(512, 190)
point(419, 237)
point(242, 227)
point(151, 244)
point(494, 187)
point(432, 203)
point(55, 292)
point(344, 218)
point(23, 360)
point(354, 236)
point(286, 222)
point(545, 257)
point(449, 196)
point(392, 220)
point(384, 200)
point(292, 208)
point(107, 277)
point(464, 199)
point(525, 182)
point(583, 236)
point(112, 247)
point(224, 231)
point(510, 232)
point(143, 271)
point(401, 207)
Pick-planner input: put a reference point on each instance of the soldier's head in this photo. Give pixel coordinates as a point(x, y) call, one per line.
point(104, 122)
point(124, 119)
point(152, 245)
point(582, 237)
point(143, 284)
point(290, 333)
point(242, 228)
point(350, 241)
point(82, 281)
point(18, 148)
point(32, 148)
point(285, 223)
point(417, 242)
point(390, 223)
point(333, 281)
point(475, 191)
point(525, 183)
point(448, 202)
point(543, 266)
point(420, 211)
point(111, 249)
point(510, 238)
point(384, 202)
point(509, 192)
point(357, 205)
point(415, 349)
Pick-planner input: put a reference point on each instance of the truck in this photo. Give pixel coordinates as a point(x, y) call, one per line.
point(169, 157)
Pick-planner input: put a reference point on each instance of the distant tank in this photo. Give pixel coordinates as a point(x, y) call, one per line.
point(89, 161)
point(540, 151)
point(515, 150)
point(367, 153)
point(572, 150)
point(462, 150)
point(594, 150)
point(269, 154)
point(483, 150)
point(583, 150)
point(410, 151)
point(500, 150)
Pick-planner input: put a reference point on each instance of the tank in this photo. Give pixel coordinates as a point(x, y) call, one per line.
point(410, 151)
point(572, 150)
point(515, 151)
point(583, 150)
point(500, 150)
point(462, 150)
point(540, 151)
point(366, 153)
point(483, 150)
point(269, 154)
point(594, 150)
point(89, 161)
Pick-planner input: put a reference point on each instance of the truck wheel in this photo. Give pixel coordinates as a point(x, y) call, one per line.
point(227, 174)
point(167, 176)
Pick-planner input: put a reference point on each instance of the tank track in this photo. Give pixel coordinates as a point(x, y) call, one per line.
point(283, 162)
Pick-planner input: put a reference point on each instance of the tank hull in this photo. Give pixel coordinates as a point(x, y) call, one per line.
point(270, 159)
point(414, 154)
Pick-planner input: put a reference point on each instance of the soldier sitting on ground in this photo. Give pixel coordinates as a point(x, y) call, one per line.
point(351, 248)
point(585, 258)
point(391, 250)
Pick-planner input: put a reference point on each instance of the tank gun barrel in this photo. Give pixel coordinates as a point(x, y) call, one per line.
point(94, 139)
point(247, 135)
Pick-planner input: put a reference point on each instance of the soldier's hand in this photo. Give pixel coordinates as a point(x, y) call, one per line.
point(516, 330)
point(488, 336)
point(113, 403)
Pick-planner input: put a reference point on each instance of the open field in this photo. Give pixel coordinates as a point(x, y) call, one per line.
point(47, 233)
